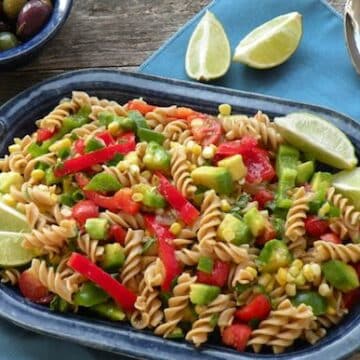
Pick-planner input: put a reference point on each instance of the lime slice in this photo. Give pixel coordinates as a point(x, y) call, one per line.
point(12, 220)
point(208, 55)
point(347, 182)
point(272, 43)
point(315, 135)
point(11, 251)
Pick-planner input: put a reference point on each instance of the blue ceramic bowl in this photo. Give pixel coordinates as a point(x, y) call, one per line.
point(17, 118)
point(23, 53)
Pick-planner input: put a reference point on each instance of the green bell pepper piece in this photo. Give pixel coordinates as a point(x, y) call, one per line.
point(103, 182)
point(311, 298)
point(340, 275)
point(287, 158)
point(156, 157)
point(109, 311)
point(205, 264)
point(50, 178)
point(150, 135)
point(94, 144)
point(304, 172)
point(114, 257)
point(138, 119)
point(90, 295)
point(148, 245)
point(273, 256)
point(97, 228)
point(286, 182)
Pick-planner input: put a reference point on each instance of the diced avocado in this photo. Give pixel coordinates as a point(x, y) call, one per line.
point(217, 178)
point(205, 264)
point(286, 182)
point(113, 258)
point(90, 295)
point(151, 197)
point(340, 275)
point(304, 172)
point(201, 294)
point(150, 135)
point(97, 228)
point(273, 256)
point(177, 333)
point(311, 298)
point(235, 165)
point(50, 178)
point(234, 230)
point(321, 180)
point(156, 157)
point(287, 158)
point(103, 182)
point(255, 221)
point(94, 144)
point(109, 310)
point(7, 179)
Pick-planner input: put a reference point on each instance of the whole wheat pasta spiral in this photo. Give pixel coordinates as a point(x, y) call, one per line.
point(125, 220)
point(242, 274)
point(315, 333)
point(185, 238)
point(154, 274)
point(91, 248)
point(224, 251)
point(18, 162)
point(177, 305)
point(128, 177)
point(236, 126)
point(133, 252)
point(226, 318)
point(10, 275)
point(189, 257)
point(160, 116)
point(324, 250)
point(180, 171)
point(339, 228)
point(202, 327)
point(49, 159)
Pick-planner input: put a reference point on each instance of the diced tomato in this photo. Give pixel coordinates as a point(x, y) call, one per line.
point(315, 226)
point(140, 105)
point(219, 275)
point(184, 113)
point(118, 234)
point(31, 287)
point(258, 308)
point(79, 146)
point(351, 298)
point(236, 336)
point(209, 132)
point(230, 148)
point(263, 196)
point(123, 198)
point(106, 137)
point(331, 237)
point(44, 134)
point(268, 234)
point(258, 166)
point(83, 210)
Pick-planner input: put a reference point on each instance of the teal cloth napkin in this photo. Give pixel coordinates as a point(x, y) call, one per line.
point(320, 71)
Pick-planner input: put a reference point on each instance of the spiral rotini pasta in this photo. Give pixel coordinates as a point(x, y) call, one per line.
point(10, 275)
point(324, 250)
point(91, 248)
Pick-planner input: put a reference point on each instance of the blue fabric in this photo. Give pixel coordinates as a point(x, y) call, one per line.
point(320, 71)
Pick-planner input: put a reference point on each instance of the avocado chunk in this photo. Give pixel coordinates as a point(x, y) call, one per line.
point(273, 256)
point(340, 275)
point(50, 178)
point(103, 182)
point(113, 258)
point(205, 264)
point(235, 165)
point(304, 172)
point(234, 230)
point(321, 180)
point(255, 221)
point(217, 178)
point(201, 294)
point(97, 228)
point(311, 298)
point(7, 179)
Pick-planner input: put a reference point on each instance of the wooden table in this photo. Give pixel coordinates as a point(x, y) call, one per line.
point(110, 34)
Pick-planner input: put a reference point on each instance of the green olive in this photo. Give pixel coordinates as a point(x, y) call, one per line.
point(7, 41)
point(12, 8)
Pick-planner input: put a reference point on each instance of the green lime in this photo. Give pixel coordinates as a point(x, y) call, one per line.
point(208, 55)
point(272, 43)
point(12, 220)
point(347, 182)
point(11, 251)
point(315, 135)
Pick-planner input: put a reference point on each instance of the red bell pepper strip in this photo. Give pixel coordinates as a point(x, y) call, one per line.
point(44, 134)
point(258, 308)
point(79, 146)
point(166, 250)
point(83, 162)
point(123, 296)
point(118, 234)
point(106, 137)
point(188, 212)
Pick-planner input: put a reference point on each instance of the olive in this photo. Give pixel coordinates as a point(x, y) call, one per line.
point(32, 17)
point(12, 8)
point(7, 41)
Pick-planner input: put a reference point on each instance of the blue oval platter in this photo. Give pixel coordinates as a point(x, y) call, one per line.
point(17, 117)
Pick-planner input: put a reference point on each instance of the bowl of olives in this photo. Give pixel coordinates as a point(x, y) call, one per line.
point(26, 26)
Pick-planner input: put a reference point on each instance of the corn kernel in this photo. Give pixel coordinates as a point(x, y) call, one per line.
point(224, 109)
point(316, 269)
point(300, 280)
point(37, 174)
point(196, 123)
point(208, 152)
point(331, 310)
point(138, 197)
point(123, 165)
point(325, 290)
point(252, 271)
point(14, 148)
point(134, 169)
point(265, 279)
point(114, 128)
point(290, 289)
point(59, 145)
point(225, 206)
point(175, 228)
point(146, 174)
point(294, 271)
point(297, 263)
point(189, 145)
point(281, 276)
point(308, 273)
point(289, 277)
point(9, 200)
point(196, 149)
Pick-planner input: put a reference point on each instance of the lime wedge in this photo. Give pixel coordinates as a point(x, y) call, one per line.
point(11, 251)
point(315, 135)
point(347, 182)
point(12, 220)
point(272, 43)
point(208, 55)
